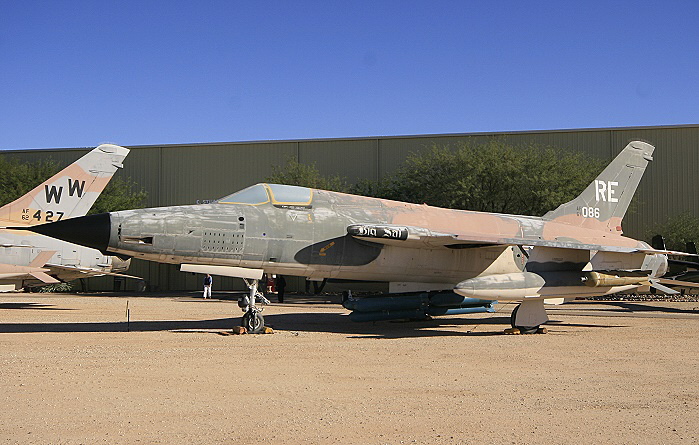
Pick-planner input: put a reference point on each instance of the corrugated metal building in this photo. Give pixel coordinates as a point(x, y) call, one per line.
point(188, 173)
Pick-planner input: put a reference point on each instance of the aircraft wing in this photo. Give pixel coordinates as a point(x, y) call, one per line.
point(420, 237)
point(43, 277)
point(85, 272)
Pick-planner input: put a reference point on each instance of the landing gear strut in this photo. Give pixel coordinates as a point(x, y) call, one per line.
point(253, 320)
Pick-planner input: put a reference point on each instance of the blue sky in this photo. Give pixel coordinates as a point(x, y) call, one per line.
point(78, 73)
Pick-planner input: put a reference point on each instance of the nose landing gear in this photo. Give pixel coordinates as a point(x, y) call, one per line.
point(253, 321)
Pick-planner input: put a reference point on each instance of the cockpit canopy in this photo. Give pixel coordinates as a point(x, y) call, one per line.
point(277, 194)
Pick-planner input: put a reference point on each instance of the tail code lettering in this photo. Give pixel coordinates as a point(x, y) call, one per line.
point(604, 191)
point(76, 187)
point(53, 192)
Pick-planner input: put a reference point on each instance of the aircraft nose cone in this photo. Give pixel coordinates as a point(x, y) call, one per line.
point(90, 231)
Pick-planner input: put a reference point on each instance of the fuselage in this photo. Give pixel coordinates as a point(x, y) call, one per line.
point(310, 238)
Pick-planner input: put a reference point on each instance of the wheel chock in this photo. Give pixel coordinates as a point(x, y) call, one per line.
point(267, 330)
point(239, 330)
point(512, 331)
point(542, 330)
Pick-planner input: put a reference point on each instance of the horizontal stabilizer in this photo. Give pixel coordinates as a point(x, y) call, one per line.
point(43, 277)
point(677, 283)
point(661, 288)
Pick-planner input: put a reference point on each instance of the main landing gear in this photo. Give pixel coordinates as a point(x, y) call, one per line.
point(528, 317)
point(253, 321)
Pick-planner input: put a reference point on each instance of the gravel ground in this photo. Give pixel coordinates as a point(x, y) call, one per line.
point(607, 372)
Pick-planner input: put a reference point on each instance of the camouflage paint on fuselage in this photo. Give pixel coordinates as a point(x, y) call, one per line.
point(314, 242)
point(302, 246)
point(321, 234)
point(575, 250)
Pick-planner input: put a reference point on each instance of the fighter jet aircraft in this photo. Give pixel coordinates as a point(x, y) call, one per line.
point(27, 259)
point(436, 260)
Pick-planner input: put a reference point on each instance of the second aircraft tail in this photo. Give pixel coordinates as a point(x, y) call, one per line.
point(70, 192)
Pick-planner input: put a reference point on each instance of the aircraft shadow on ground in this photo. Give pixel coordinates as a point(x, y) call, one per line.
point(626, 308)
point(328, 322)
point(123, 326)
point(341, 324)
point(302, 322)
point(640, 307)
point(29, 305)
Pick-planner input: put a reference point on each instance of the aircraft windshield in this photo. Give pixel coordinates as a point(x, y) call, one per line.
point(290, 194)
point(281, 195)
point(256, 194)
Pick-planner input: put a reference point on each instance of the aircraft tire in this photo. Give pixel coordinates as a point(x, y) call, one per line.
point(254, 322)
point(522, 329)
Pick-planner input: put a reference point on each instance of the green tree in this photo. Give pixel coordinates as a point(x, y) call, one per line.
point(119, 194)
point(18, 178)
point(496, 177)
point(677, 231)
point(492, 177)
point(305, 175)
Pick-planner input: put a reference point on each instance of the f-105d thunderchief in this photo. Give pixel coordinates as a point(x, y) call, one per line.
point(437, 261)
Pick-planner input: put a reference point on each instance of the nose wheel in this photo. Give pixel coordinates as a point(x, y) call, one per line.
point(253, 321)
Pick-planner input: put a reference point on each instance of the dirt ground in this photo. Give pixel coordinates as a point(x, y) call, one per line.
point(607, 372)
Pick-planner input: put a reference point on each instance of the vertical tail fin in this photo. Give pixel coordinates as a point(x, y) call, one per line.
point(603, 204)
point(69, 193)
